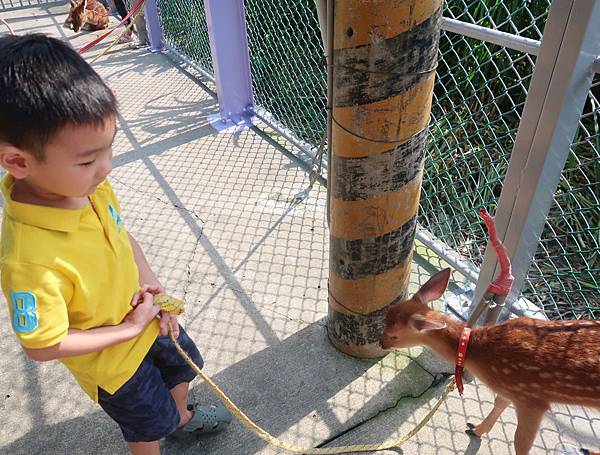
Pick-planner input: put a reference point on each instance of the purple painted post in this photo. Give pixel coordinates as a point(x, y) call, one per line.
point(153, 26)
point(226, 22)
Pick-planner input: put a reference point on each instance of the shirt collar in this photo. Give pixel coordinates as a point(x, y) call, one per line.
point(52, 218)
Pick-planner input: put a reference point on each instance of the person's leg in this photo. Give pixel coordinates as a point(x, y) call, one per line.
point(144, 448)
point(177, 375)
point(122, 10)
point(143, 408)
point(179, 394)
point(140, 28)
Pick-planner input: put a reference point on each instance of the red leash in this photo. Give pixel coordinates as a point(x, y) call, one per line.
point(91, 44)
point(499, 287)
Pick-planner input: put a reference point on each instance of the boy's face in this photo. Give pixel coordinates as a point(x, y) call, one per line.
point(78, 159)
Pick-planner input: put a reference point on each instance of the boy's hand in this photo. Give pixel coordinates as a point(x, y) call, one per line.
point(143, 310)
point(152, 289)
point(165, 319)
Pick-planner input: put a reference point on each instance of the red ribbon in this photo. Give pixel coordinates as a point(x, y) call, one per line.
point(461, 356)
point(91, 44)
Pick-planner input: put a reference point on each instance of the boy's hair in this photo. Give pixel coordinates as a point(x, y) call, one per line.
point(44, 86)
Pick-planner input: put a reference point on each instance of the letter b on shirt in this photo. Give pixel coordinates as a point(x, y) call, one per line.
point(25, 318)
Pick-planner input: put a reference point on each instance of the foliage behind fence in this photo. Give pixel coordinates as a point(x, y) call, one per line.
point(479, 96)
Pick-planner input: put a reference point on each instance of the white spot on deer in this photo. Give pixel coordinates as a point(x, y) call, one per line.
point(546, 375)
point(535, 385)
point(494, 369)
point(506, 371)
point(568, 377)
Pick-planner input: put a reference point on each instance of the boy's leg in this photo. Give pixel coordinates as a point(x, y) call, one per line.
point(144, 409)
point(144, 448)
point(179, 394)
point(177, 375)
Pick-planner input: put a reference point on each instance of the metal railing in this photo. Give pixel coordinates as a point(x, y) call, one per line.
point(7, 5)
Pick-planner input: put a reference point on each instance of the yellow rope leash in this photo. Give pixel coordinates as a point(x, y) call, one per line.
point(175, 306)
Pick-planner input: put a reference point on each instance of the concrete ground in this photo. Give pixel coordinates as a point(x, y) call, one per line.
point(214, 212)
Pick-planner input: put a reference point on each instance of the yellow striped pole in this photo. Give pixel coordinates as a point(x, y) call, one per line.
point(384, 58)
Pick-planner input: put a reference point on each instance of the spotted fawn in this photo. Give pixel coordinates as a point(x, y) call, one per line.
point(527, 362)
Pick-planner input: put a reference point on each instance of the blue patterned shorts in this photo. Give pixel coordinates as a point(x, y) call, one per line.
point(143, 406)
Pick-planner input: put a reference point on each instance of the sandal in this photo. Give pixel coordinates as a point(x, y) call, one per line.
point(125, 39)
point(206, 419)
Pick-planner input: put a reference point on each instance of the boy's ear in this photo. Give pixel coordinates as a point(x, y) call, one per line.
point(15, 161)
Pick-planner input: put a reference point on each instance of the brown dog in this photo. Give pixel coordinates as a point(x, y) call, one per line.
point(526, 362)
point(87, 15)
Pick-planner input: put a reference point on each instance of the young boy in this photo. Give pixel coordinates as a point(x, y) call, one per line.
point(78, 286)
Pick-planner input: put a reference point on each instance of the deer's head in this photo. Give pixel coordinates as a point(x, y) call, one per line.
point(78, 14)
point(408, 322)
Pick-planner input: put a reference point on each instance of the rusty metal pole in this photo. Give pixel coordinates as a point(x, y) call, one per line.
point(384, 59)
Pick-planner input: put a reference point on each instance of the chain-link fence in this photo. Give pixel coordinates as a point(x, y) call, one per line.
point(565, 275)
point(478, 100)
point(289, 71)
point(184, 27)
point(479, 96)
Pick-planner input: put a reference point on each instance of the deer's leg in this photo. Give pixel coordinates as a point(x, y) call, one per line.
point(500, 404)
point(529, 418)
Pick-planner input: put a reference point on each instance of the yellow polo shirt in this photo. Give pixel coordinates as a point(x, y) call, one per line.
point(73, 269)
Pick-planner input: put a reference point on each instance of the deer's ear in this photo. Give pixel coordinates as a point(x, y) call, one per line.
point(435, 286)
point(421, 323)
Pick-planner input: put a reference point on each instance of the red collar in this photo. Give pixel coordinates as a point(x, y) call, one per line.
point(461, 356)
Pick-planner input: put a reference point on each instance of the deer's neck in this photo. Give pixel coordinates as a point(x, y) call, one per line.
point(445, 341)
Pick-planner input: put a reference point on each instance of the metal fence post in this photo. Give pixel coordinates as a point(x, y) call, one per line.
point(153, 26)
point(227, 32)
point(561, 82)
